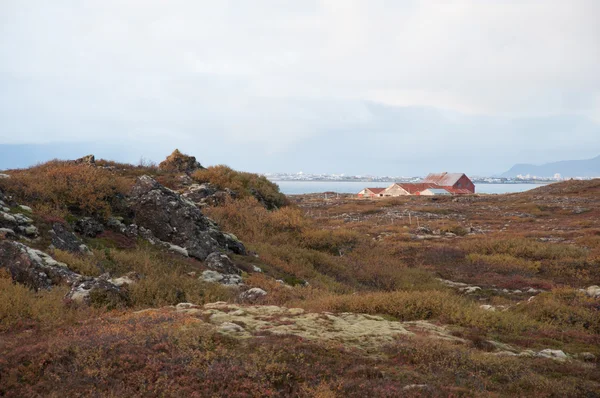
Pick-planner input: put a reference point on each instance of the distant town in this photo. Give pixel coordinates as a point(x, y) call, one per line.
point(520, 179)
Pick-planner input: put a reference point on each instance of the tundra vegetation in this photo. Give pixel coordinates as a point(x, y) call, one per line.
point(504, 277)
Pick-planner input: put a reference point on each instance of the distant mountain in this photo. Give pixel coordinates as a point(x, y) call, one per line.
point(566, 168)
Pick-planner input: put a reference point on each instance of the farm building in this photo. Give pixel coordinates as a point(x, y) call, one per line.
point(457, 183)
point(371, 193)
point(435, 192)
point(401, 189)
point(433, 184)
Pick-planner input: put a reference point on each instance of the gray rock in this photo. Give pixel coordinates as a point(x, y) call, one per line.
point(19, 223)
point(224, 279)
point(4, 175)
point(89, 159)
point(174, 219)
point(39, 271)
point(557, 355)
point(7, 232)
point(26, 208)
point(230, 327)
point(99, 292)
point(253, 294)
point(88, 227)
point(586, 356)
point(64, 239)
point(222, 263)
point(593, 291)
point(34, 268)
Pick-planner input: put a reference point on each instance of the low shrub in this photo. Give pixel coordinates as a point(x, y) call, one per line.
point(21, 307)
point(244, 184)
point(61, 187)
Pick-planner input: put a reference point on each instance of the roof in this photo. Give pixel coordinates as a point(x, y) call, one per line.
point(443, 179)
point(375, 190)
point(414, 187)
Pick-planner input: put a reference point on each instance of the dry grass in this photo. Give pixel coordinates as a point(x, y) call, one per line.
point(60, 188)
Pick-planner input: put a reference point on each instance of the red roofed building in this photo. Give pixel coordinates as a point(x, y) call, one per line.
point(371, 192)
point(407, 188)
point(456, 183)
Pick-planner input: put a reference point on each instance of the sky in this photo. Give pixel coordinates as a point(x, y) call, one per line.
point(382, 87)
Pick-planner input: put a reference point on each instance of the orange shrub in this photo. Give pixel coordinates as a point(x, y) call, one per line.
point(245, 184)
point(59, 186)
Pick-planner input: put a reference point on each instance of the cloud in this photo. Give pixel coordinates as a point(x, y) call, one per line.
point(274, 73)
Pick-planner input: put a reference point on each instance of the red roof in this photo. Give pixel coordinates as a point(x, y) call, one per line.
point(413, 188)
point(443, 179)
point(375, 190)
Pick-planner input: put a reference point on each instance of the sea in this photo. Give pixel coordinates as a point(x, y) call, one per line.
point(304, 187)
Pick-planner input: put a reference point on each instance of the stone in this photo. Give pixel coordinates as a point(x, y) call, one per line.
point(256, 269)
point(593, 291)
point(185, 306)
point(424, 231)
point(20, 224)
point(180, 162)
point(469, 289)
point(586, 356)
point(7, 232)
point(34, 268)
point(2, 175)
point(230, 327)
point(224, 279)
point(487, 307)
point(222, 263)
point(39, 271)
point(26, 208)
point(88, 227)
point(176, 220)
point(89, 160)
point(98, 292)
point(129, 279)
point(178, 249)
point(557, 355)
point(63, 239)
point(253, 294)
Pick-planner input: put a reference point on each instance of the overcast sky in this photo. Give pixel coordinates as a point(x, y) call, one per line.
point(383, 87)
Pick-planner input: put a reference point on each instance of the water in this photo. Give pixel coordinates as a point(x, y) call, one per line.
point(302, 187)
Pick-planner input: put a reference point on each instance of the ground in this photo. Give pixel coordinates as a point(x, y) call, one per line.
point(479, 295)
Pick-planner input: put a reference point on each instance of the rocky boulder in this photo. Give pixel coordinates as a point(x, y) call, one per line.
point(176, 220)
point(88, 227)
point(34, 268)
point(222, 263)
point(18, 223)
point(65, 240)
point(208, 194)
point(39, 271)
point(89, 160)
point(224, 279)
point(253, 294)
point(180, 162)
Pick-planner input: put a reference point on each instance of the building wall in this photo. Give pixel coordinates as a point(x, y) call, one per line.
point(394, 190)
point(465, 183)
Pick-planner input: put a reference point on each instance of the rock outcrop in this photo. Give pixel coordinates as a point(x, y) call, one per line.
point(208, 194)
point(178, 221)
point(222, 263)
point(39, 271)
point(88, 227)
point(89, 160)
point(180, 162)
point(65, 240)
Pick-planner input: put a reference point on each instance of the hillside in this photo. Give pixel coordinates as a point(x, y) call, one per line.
point(566, 168)
point(182, 279)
